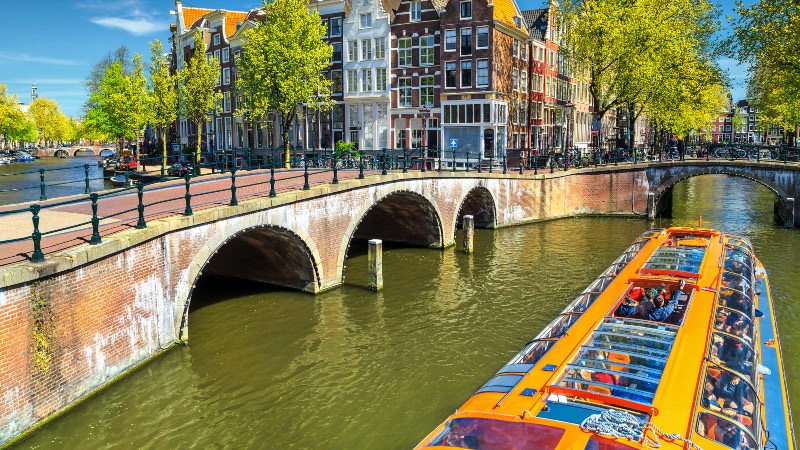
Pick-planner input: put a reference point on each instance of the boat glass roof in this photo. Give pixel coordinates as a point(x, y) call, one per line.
point(683, 259)
point(624, 358)
point(475, 432)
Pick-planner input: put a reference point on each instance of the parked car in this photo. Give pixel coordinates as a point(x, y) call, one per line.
point(127, 161)
point(179, 169)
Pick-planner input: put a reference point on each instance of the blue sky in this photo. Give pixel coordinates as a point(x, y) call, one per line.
point(55, 42)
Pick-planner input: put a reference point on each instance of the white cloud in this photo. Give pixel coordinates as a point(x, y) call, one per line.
point(24, 57)
point(139, 26)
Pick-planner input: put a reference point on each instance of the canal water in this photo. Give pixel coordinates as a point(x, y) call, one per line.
point(354, 369)
point(20, 182)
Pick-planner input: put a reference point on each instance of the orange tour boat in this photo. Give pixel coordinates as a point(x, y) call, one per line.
point(674, 346)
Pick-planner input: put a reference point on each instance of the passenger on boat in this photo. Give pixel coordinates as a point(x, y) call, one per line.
point(646, 306)
point(721, 320)
point(662, 310)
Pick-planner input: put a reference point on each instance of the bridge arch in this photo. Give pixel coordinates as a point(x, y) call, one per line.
point(263, 253)
point(403, 216)
point(480, 203)
point(61, 153)
point(664, 190)
point(83, 150)
point(107, 152)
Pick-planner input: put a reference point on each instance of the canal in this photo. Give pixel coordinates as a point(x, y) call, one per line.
point(354, 369)
point(20, 182)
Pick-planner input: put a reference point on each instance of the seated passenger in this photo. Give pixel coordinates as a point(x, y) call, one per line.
point(662, 310)
point(628, 306)
point(646, 306)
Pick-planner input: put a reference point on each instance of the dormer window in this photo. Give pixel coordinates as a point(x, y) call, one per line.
point(416, 11)
point(518, 22)
point(216, 39)
point(366, 20)
point(466, 10)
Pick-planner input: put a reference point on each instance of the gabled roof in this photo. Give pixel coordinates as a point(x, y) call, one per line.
point(231, 19)
point(536, 20)
point(505, 11)
point(191, 15)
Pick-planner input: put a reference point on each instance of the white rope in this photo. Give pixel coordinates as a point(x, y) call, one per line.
point(617, 424)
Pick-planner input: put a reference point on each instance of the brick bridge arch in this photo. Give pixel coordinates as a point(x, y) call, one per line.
point(779, 179)
point(479, 203)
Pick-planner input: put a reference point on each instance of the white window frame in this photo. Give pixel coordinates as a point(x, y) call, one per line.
point(461, 73)
point(352, 81)
point(404, 92)
point(365, 20)
point(339, 21)
point(427, 51)
point(478, 33)
point(405, 54)
point(366, 80)
point(226, 54)
point(366, 49)
point(455, 68)
point(226, 76)
point(380, 79)
point(426, 90)
point(455, 40)
point(465, 31)
point(380, 48)
point(479, 69)
point(216, 39)
point(460, 10)
point(352, 51)
point(415, 11)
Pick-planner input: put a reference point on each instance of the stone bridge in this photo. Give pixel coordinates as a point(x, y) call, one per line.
point(65, 152)
point(90, 313)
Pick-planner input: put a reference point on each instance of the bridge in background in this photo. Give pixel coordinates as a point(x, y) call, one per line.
point(114, 273)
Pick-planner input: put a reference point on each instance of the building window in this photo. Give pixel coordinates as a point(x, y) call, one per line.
point(515, 79)
point(483, 37)
point(515, 48)
point(366, 80)
point(466, 41)
point(450, 74)
point(337, 52)
point(404, 52)
point(483, 72)
point(336, 27)
point(352, 51)
point(466, 10)
point(523, 51)
point(426, 90)
point(405, 91)
point(416, 11)
point(226, 101)
point(226, 54)
point(426, 51)
point(216, 55)
point(466, 74)
point(366, 20)
point(324, 23)
point(366, 50)
point(380, 48)
point(352, 80)
point(449, 40)
point(380, 78)
point(336, 82)
point(226, 75)
point(216, 39)
point(523, 81)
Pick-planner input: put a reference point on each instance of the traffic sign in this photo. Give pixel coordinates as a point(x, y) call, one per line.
point(453, 143)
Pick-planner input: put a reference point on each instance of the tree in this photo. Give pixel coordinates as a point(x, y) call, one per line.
point(136, 92)
point(112, 111)
point(197, 81)
point(94, 79)
point(163, 98)
point(282, 63)
point(767, 36)
point(738, 121)
point(51, 124)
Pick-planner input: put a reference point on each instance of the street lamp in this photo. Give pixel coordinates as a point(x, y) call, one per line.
point(424, 112)
point(568, 107)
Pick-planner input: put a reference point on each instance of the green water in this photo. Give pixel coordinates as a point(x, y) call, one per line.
point(352, 369)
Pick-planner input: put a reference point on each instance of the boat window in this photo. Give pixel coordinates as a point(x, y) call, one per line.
point(560, 326)
point(682, 259)
point(613, 270)
point(739, 254)
point(500, 383)
point(727, 394)
point(533, 352)
point(601, 443)
point(739, 268)
point(734, 281)
point(650, 233)
point(741, 241)
point(624, 258)
point(736, 300)
point(734, 322)
point(472, 432)
point(732, 353)
point(624, 358)
point(599, 285)
point(583, 302)
point(723, 431)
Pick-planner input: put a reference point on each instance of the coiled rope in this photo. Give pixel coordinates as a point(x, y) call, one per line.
point(616, 423)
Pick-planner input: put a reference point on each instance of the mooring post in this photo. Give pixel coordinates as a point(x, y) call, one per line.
point(375, 264)
point(469, 233)
point(789, 222)
point(651, 205)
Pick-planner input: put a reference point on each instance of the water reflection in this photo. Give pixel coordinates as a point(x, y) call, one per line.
point(355, 369)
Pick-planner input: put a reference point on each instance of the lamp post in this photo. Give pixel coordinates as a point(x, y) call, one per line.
point(424, 112)
point(568, 107)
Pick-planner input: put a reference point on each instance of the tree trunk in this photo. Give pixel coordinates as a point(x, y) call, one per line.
point(287, 155)
point(163, 150)
point(197, 150)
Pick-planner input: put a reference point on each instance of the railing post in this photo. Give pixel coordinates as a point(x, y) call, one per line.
point(552, 162)
point(536, 164)
point(454, 159)
point(405, 157)
point(139, 188)
point(306, 186)
point(467, 168)
point(42, 195)
point(480, 162)
point(37, 255)
point(520, 166)
point(335, 170)
point(360, 166)
point(95, 239)
point(272, 179)
point(758, 154)
point(424, 159)
point(86, 178)
point(616, 157)
point(785, 155)
point(383, 172)
point(491, 163)
point(439, 169)
point(127, 164)
point(234, 202)
point(505, 163)
point(188, 197)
